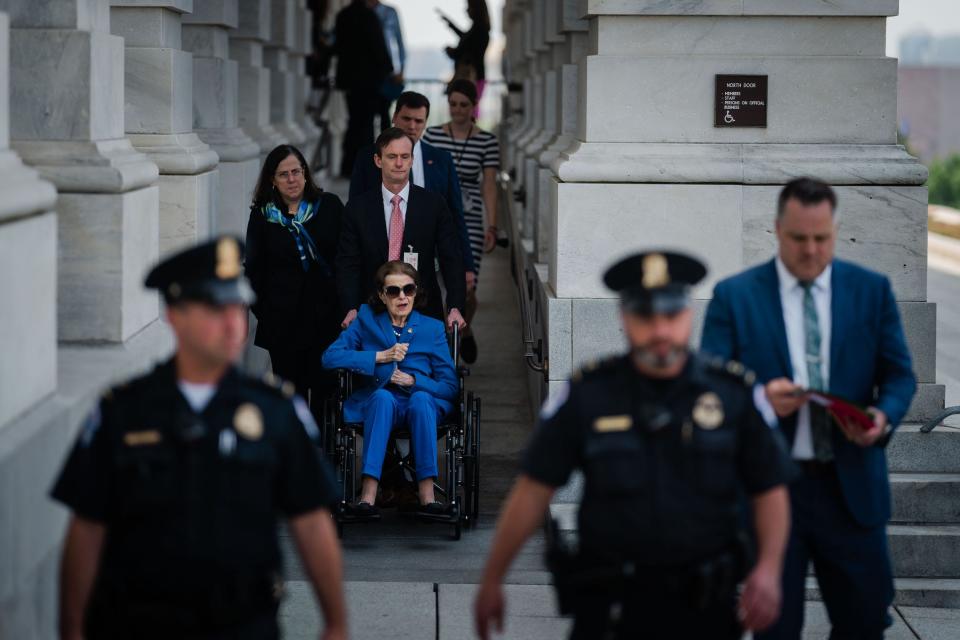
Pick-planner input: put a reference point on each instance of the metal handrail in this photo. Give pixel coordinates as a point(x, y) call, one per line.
point(946, 413)
point(533, 349)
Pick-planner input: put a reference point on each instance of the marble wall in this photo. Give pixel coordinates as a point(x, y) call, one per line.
point(121, 137)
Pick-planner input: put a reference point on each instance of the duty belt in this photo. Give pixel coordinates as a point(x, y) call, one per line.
point(703, 584)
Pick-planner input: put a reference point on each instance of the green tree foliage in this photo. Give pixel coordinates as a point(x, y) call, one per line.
point(944, 183)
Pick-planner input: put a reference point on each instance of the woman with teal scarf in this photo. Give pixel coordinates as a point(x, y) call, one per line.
point(292, 241)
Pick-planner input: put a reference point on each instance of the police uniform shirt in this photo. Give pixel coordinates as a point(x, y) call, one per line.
point(191, 499)
point(664, 461)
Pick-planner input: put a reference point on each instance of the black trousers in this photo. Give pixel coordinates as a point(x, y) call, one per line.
point(362, 106)
point(301, 366)
point(852, 564)
point(653, 616)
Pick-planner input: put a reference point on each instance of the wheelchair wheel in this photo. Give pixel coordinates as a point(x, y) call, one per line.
point(474, 428)
point(469, 461)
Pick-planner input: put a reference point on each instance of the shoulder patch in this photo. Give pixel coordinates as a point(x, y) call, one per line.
point(277, 384)
point(303, 412)
point(731, 369)
point(554, 401)
point(591, 367)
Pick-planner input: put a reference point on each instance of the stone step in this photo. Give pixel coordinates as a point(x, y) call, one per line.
point(925, 551)
point(926, 498)
point(941, 593)
point(913, 452)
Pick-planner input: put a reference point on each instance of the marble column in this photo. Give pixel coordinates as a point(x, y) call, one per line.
point(336, 111)
point(68, 84)
point(302, 84)
point(276, 56)
point(159, 116)
point(554, 48)
point(215, 99)
point(569, 52)
point(246, 47)
point(28, 259)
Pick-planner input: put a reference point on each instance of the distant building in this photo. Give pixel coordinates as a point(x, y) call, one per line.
point(929, 95)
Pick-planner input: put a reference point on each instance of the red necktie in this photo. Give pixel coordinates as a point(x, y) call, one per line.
point(396, 229)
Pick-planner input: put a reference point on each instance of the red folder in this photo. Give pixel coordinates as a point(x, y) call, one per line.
point(842, 410)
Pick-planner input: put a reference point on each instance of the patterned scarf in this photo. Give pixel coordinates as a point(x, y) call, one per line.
point(295, 225)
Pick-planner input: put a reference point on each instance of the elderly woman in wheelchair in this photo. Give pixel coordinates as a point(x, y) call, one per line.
point(408, 380)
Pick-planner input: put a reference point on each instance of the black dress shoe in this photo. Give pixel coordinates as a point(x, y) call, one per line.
point(433, 511)
point(468, 349)
point(362, 511)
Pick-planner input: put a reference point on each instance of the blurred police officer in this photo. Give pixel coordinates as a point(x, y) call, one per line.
point(667, 441)
point(177, 478)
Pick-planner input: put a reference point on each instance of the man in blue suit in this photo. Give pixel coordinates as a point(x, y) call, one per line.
point(432, 170)
point(807, 321)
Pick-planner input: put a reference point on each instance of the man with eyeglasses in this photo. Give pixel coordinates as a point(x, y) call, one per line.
point(399, 221)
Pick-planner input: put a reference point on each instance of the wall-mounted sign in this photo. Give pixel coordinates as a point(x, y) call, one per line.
point(741, 101)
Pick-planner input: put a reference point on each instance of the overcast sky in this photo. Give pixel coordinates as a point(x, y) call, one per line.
point(934, 16)
point(423, 29)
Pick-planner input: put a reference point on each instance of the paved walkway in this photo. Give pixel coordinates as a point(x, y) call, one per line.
point(411, 581)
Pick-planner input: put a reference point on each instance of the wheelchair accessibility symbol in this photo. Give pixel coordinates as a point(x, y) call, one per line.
point(729, 119)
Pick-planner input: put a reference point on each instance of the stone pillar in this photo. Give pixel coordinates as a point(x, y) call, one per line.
point(246, 47)
point(215, 98)
point(283, 79)
point(569, 53)
point(516, 18)
point(28, 259)
point(159, 116)
point(67, 83)
point(302, 84)
point(553, 51)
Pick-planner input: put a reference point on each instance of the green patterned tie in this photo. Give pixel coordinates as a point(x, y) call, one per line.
point(819, 420)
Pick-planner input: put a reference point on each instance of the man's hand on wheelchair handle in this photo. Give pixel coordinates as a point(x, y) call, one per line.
point(347, 319)
point(454, 317)
point(396, 353)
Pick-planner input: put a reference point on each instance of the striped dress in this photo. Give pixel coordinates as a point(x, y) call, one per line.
point(471, 156)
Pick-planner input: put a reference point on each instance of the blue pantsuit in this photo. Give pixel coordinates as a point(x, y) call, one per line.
point(386, 410)
point(383, 406)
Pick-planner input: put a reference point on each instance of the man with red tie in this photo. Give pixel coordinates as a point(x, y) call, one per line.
point(399, 221)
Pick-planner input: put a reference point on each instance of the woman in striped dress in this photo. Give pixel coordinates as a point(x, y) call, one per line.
point(476, 154)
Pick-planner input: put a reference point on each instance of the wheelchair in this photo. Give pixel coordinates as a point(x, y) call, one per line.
point(458, 482)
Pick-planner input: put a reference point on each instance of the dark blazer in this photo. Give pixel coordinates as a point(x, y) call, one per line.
point(869, 361)
point(428, 358)
point(293, 304)
point(363, 61)
point(439, 176)
point(429, 229)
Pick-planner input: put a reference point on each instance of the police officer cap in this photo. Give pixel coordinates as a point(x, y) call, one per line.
point(210, 272)
point(655, 281)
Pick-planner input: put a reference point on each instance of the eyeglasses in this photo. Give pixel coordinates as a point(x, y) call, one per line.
point(393, 291)
point(294, 173)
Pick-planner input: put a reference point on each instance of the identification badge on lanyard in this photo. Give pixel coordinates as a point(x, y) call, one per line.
point(411, 258)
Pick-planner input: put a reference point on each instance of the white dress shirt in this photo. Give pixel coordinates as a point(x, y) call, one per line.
point(388, 204)
point(198, 395)
point(417, 171)
point(791, 299)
